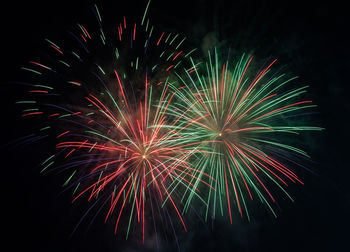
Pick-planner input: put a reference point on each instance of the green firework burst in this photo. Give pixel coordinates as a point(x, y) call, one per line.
point(241, 119)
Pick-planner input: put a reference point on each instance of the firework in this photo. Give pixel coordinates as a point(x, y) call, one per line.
point(105, 110)
point(244, 119)
point(131, 154)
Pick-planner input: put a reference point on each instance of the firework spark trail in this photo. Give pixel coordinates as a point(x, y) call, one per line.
point(236, 118)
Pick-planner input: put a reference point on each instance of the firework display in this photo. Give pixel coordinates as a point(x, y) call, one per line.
point(147, 131)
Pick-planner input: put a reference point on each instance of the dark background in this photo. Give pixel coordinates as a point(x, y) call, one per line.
point(311, 38)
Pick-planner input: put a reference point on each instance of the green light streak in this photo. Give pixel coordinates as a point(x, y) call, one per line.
point(30, 70)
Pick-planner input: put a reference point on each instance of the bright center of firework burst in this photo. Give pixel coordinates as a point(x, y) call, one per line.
point(144, 156)
point(219, 134)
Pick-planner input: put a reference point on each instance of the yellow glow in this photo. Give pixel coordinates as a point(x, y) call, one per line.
point(220, 134)
point(144, 156)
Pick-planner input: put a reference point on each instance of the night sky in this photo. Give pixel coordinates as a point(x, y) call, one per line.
point(311, 39)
